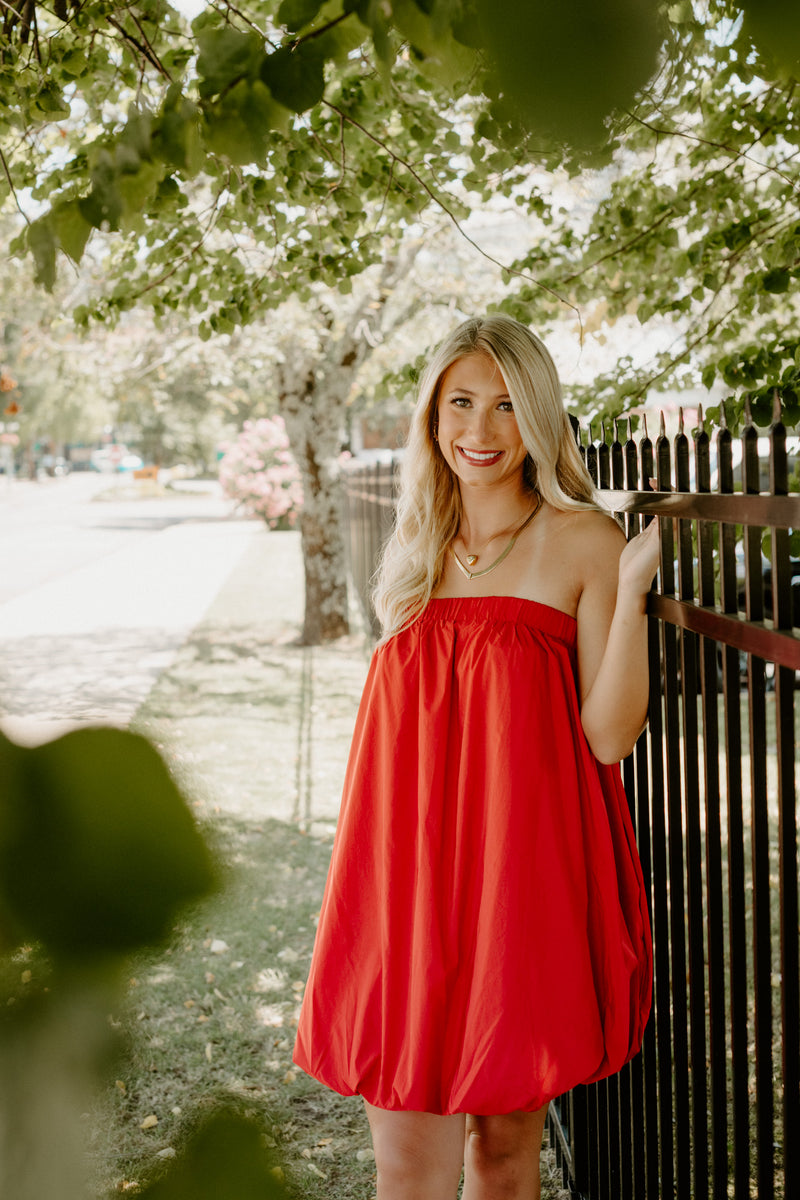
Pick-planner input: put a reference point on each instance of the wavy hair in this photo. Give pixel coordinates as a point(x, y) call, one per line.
point(429, 504)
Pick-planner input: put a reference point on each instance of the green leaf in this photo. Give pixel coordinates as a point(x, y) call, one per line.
point(295, 14)
point(137, 190)
point(50, 102)
point(225, 1157)
point(295, 77)
point(563, 68)
point(97, 848)
point(226, 56)
point(238, 126)
point(102, 208)
point(777, 281)
point(72, 229)
point(440, 56)
point(774, 26)
point(42, 244)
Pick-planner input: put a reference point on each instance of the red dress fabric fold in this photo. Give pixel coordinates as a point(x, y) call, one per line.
point(484, 939)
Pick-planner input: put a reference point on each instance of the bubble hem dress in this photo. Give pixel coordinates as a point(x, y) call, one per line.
point(484, 940)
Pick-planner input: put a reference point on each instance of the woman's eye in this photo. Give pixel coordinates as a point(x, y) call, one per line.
point(460, 401)
point(506, 406)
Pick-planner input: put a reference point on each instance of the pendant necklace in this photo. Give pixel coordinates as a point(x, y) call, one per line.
point(473, 558)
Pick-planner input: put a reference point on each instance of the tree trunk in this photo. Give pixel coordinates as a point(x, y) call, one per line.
point(313, 420)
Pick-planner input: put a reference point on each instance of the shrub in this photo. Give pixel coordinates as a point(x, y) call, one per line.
point(259, 473)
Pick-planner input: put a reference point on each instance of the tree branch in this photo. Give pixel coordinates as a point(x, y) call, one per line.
point(151, 57)
point(7, 174)
point(439, 202)
point(315, 33)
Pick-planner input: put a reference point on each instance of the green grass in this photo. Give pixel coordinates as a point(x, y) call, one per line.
point(213, 1017)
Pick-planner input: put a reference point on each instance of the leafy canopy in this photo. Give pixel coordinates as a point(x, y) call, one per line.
point(313, 128)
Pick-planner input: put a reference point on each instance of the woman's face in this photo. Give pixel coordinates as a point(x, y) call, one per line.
point(478, 432)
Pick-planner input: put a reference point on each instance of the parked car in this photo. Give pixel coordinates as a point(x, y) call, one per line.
point(116, 457)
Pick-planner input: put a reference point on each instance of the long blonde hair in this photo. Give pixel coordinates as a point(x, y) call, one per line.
point(429, 505)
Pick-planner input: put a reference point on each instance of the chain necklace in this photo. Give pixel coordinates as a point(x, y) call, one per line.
point(473, 558)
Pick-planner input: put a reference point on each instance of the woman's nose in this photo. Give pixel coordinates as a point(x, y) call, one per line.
point(483, 426)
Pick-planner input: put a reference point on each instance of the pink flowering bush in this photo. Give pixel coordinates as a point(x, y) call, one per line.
point(259, 472)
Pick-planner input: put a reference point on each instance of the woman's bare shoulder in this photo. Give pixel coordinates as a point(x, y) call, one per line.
point(587, 526)
point(591, 538)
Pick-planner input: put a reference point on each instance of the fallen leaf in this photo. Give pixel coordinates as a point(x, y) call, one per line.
point(209, 1051)
point(149, 1122)
point(218, 946)
point(365, 1155)
point(26, 976)
point(278, 1173)
point(289, 1077)
point(121, 1086)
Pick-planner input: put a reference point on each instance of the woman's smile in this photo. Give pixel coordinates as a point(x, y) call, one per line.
point(480, 458)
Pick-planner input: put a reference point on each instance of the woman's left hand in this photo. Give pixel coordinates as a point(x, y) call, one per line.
point(640, 559)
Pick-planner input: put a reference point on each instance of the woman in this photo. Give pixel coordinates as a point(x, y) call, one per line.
point(484, 942)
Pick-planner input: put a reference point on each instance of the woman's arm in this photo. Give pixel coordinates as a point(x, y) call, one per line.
point(612, 638)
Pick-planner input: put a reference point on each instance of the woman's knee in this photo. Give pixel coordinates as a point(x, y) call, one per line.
point(506, 1145)
point(416, 1153)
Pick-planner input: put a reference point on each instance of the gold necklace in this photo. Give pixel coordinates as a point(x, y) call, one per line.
point(473, 558)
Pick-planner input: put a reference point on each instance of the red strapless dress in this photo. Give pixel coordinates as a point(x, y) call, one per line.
point(484, 940)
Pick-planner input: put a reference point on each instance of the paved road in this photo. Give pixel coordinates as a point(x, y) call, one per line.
point(97, 595)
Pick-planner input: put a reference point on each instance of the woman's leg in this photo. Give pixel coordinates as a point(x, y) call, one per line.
point(501, 1156)
point(418, 1155)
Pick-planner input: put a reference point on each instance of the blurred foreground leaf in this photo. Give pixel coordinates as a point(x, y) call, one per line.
point(97, 847)
point(564, 68)
point(226, 1157)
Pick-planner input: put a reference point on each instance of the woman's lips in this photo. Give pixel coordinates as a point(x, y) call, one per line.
point(480, 458)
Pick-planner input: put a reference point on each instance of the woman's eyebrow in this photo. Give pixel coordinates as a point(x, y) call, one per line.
point(462, 391)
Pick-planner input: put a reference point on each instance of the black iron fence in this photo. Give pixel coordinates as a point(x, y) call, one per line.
point(711, 1106)
point(369, 498)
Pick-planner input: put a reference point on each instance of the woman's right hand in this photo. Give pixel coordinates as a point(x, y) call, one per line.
point(640, 560)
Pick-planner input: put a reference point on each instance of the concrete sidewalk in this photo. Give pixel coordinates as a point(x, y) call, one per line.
point(192, 635)
point(89, 645)
point(256, 725)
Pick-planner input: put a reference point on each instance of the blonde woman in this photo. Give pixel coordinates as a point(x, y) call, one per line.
point(484, 943)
